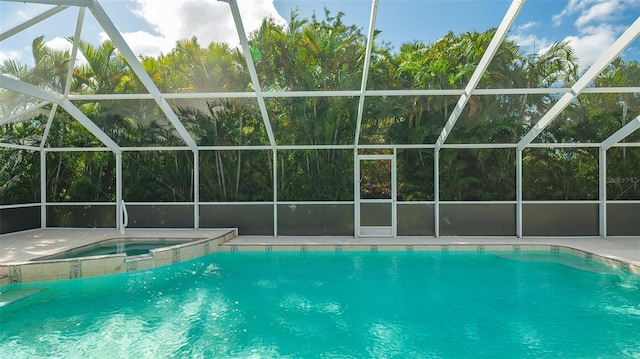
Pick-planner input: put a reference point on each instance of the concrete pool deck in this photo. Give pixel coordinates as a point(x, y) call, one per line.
point(18, 250)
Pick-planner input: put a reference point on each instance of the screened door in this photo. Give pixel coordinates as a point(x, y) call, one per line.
point(376, 197)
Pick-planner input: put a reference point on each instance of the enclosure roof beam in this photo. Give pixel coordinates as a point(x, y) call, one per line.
point(66, 3)
point(351, 93)
point(16, 117)
point(74, 51)
point(621, 133)
point(32, 21)
point(47, 128)
point(237, 19)
point(18, 147)
point(132, 60)
point(496, 41)
point(34, 91)
point(89, 125)
point(18, 86)
point(609, 55)
point(67, 87)
point(365, 70)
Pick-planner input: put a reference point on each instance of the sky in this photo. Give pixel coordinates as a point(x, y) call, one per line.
point(590, 26)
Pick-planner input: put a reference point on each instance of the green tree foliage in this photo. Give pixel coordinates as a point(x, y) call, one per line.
point(19, 176)
point(317, 54)
point(230, 175)
point(560, 174)
point(158, 176)
point(310, 54)
point(191, 68)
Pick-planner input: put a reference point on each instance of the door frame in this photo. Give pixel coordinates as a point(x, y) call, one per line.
point(383, 231)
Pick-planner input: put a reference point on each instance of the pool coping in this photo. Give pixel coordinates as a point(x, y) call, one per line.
point(613, 262)
point(621, 252)
point(618, 252)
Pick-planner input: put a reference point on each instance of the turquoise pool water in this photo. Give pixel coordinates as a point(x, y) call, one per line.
point(333, 305)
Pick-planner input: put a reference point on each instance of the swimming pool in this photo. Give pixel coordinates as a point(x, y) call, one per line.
point(334, 304)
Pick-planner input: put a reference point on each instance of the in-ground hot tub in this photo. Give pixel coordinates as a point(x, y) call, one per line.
point(127, 246)
point(91, 260)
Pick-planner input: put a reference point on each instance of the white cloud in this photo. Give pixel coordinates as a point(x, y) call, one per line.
point(528, 25)
point(596, 24)
point(572, 7)
point(62, 44)
point(207, 20)
point(598, 12)
point(144, 43)
point(10, 54)
point(589, 45)
point(531, 43)
point(22, 15)
point(59, 44)
point(589, 11)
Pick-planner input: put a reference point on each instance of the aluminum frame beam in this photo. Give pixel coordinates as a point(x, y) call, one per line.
point(237, 19)
point(36, 19)
point(47, 128)
point(351, 93)
point(108, 26)
point(74, 51)
point(55, 2)
point(67, 87)
point(488, 55)
point(365, 70)
point(18, 147)
point(609, 55)
point(621, 134)
point(34, 91)
point(16, 117)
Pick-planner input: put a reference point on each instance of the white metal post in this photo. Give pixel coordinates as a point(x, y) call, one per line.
point(618, 136)
point(394, 196)
point(602, 180)
point(519, 193)
point(436, 193)
point(119, 218)
point(43, 189)
point(196, 189)
point(275, 191)
point(356, 193)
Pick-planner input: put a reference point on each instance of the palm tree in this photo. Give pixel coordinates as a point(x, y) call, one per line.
point(556, 66)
